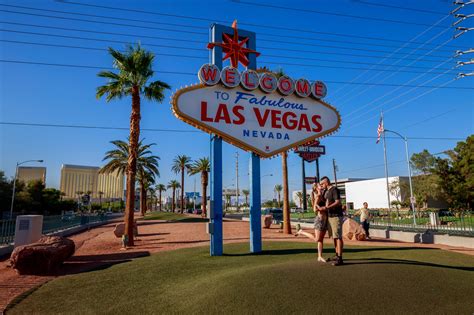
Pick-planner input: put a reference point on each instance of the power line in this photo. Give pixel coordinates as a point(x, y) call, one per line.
point(399, 7)
point(201, 33)
point(266, 26)
point(412, 52)
point(203, 42)
point(188, 26)
point(185, 131)
point(267, 5)
point(98, 39)
point(199, 57)
point(369, 167)
point(194, 74)
point(197, 49)
point(399, 70)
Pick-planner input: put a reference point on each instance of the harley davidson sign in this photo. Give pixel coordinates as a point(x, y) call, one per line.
point(247, 111)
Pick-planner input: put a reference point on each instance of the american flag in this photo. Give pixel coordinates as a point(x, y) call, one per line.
point(379, 129)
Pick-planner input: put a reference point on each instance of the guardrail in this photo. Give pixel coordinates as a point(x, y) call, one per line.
point(51, 224)
point(455, 223)
point(7, 231)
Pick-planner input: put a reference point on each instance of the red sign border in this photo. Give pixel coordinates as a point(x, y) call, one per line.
point(197, 124)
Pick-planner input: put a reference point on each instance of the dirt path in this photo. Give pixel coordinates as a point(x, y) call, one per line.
point(98, 247)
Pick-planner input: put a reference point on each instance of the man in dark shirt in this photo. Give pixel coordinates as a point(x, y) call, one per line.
point(335, 214)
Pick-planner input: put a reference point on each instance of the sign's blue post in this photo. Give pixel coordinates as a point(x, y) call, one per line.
point(215, 224)
point(255, 199)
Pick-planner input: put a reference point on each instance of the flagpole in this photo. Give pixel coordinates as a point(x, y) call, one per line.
point(386, 170)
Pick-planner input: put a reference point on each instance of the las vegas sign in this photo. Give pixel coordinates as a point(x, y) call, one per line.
point(257, 112)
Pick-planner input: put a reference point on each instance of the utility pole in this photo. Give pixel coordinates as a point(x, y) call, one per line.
point(303, 171)
point(317, 170)
point(334, 167)
point(194, 196)
point(237, 180)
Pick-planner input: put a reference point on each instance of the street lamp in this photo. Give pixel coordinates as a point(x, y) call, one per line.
point(409, 172)
point(14, 182)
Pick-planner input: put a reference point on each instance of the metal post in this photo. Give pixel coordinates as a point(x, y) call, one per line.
point(334, 169)
point(255, 207)
point(317, 170)
point(409, 179)
point(215, 224)
point(303, 171)
point(13, 194)
point(237, 180)
point(386, 174)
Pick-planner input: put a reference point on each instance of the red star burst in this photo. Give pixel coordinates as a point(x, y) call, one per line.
point(234, 49)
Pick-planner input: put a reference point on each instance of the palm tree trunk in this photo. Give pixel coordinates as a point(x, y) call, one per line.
point(159, 193)
point(286, 199)
point(182, 189)
point(132, 164)
point(142, 198)
point(203, 195)
point(172, 201)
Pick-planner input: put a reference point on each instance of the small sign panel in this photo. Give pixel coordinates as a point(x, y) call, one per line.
point(24, 225)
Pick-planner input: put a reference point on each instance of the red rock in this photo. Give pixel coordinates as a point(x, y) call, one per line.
point(43, 257)
point(120, 229)
point(267, 221)
point(352, 230)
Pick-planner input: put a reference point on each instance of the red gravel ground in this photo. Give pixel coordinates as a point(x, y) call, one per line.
point(99, 246)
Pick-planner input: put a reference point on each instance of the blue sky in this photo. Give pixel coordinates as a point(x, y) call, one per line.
point(42, 94)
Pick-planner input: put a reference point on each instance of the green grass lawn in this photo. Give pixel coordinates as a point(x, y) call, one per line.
point(285, 278)
point(170, 216)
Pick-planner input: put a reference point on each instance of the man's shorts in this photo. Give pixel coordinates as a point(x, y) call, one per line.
point(335, 227)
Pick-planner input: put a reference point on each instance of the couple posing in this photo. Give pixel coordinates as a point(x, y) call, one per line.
point(327, 206)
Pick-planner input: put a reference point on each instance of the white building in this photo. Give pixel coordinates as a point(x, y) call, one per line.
point(374, 192)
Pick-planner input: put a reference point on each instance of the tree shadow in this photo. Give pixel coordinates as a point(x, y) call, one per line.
point(276, 252)
point(152, 234)
point(390, 261)
point(371, 249)
point(86, 263)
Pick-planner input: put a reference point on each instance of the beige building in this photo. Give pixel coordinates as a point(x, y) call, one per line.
point(79, 178)
point(29, 173)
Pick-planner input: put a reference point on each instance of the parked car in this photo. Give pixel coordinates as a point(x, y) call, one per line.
point(197, 211)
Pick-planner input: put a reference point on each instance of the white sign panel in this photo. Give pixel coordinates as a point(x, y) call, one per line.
point(266, 124)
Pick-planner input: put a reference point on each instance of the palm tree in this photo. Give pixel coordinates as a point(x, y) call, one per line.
point(246, 193)
point(133, 78)
point(299, 195)
point(173, 184)
point(180, 164)
point(146, 165)
point(151, 192)
point(278, 189)
point(203, 166)
point(146, 178)
point(160, 188)
point(286, 199)
point(100, 193)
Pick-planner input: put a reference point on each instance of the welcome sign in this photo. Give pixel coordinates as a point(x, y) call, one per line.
point(264, 123)
point(258, 112)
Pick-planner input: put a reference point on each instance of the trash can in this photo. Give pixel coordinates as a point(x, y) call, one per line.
point(28, 229)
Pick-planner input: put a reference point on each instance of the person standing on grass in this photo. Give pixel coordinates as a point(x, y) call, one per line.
point(320, 220)
point(365, 218)
point(335, 215)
